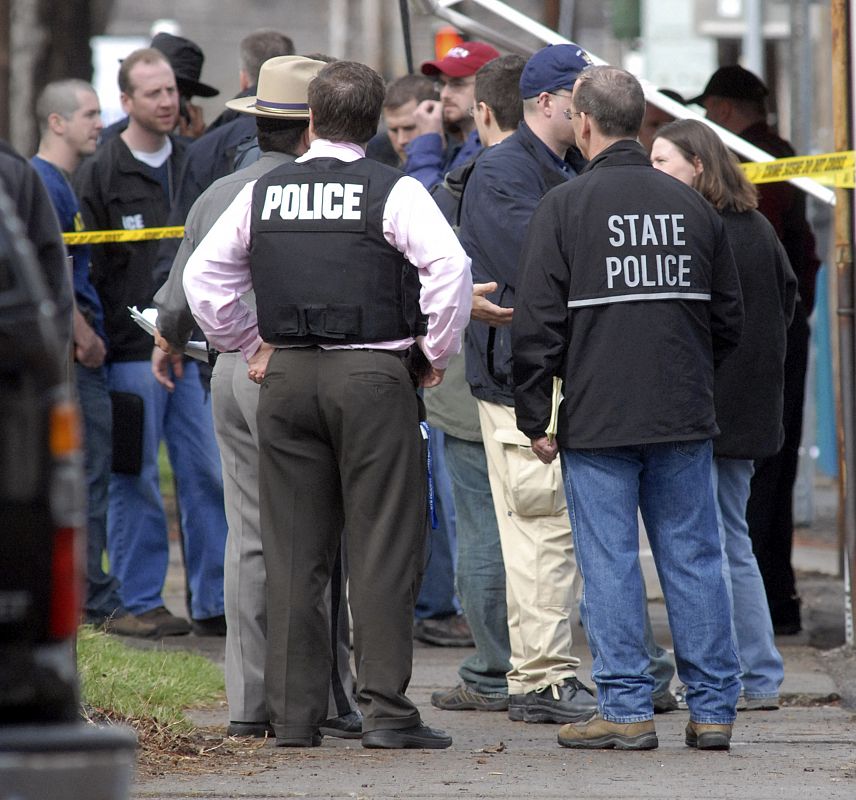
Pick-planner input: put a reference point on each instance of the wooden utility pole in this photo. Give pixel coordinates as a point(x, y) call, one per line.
point(842, 105)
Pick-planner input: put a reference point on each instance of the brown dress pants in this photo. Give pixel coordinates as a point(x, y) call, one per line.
point(340, 447)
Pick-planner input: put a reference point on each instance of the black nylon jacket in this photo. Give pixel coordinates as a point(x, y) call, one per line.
point(749, 384)
point(630, 293)
point(116, 192)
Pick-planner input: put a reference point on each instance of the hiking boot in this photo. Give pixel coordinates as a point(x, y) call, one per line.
point(601, 734)
point(568, 701)
point(165, 623)
point(757, 703)
point(664, 702)
point(706, 736)
point(463, 698)
point(453, 631)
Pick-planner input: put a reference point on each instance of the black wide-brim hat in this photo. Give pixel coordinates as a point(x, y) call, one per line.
point(186, 59)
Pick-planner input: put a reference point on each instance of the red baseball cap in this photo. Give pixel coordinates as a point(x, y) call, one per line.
point(462, 61)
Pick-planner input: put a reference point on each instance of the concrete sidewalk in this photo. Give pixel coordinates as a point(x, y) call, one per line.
point(806, 749)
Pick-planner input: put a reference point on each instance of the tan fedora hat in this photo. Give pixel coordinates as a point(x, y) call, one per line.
point(282, 88)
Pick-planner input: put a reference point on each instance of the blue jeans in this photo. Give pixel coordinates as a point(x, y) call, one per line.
point(670, 484)
point(102, 589)
point(481, 570)
point(760, 661)
point(137, 541)
point(437, 594)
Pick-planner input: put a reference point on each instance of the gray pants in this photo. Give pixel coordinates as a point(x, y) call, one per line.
point(234, 401)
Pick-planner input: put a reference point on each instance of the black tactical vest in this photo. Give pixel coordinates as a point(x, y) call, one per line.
point(322, 270)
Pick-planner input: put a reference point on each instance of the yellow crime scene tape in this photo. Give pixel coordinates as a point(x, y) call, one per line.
point(139, 235)
point(830, 169)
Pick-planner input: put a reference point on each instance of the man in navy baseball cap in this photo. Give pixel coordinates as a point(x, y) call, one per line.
point(505, 186)
point(553, 67)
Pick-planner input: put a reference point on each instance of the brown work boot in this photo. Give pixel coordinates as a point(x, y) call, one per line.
point(600, 733)
point(707, 736)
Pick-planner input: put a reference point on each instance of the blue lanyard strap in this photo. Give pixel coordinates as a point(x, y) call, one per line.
point(426, 434)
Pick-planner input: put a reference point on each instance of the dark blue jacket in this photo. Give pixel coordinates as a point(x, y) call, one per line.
point(68, 213)
point(428, 162)
point(503, 190)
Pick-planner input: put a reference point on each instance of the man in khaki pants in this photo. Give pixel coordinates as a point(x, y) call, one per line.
point(541, 577)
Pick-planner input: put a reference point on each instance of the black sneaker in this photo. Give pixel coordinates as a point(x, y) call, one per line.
point(463, 698)
point(348, 726)
point(568, 701)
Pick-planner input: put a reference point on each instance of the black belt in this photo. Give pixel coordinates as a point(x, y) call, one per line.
point(212, 355)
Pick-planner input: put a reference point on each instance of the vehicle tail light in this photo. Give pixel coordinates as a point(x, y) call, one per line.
point(65, 438)
point(65, 584)
point(68, 509)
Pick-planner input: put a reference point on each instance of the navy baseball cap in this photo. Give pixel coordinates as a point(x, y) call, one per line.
point(555, 66)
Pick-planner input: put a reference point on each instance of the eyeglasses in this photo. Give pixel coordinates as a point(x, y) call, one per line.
point(571, 114)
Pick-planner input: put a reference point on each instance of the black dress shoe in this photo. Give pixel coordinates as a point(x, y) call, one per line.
point(255, 730)
point(416, 737)
point(210, 626)
point(348, 726)
point(299, 741)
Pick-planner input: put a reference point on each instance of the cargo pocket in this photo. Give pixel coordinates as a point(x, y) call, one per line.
point(532, 488)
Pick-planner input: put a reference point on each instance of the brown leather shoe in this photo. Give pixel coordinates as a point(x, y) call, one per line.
point(128, 625)
point(165, 623)
point(705, 736)
point(453, 631)
point(601, 734)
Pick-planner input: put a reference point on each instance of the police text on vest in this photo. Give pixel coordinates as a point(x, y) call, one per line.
point(314, 201)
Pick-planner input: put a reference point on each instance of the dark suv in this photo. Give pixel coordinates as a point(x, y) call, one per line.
point(46, 749)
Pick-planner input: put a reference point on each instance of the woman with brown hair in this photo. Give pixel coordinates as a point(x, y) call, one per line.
point(748, 385)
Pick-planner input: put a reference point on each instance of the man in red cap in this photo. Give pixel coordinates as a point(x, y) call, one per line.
point(447, 131)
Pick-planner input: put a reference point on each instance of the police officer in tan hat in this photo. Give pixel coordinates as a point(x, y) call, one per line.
point(282, 117)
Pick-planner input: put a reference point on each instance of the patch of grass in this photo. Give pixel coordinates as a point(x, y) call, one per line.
point(167, 485)
point(140, 684)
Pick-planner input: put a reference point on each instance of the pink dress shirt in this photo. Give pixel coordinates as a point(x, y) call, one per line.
point(218, 272)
